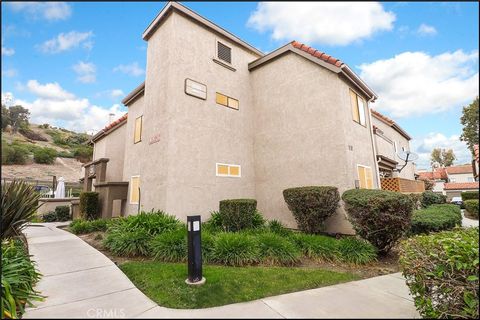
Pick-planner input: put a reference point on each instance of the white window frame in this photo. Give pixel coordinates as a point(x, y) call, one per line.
point(228, 165)
point(130, 195)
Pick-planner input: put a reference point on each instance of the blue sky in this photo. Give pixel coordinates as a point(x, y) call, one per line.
point(72, 63)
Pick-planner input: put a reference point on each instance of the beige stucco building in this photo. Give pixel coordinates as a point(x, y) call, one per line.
point(218, 119)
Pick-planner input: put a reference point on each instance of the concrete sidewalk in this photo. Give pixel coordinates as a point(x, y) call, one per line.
point(80, 282)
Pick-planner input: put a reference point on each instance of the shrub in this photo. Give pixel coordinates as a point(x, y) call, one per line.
point(153, 223)
point(316, 246)
point(62, 213)
point(472, 207)
point(275, 249)
point(64, 154)
point(435, 218)
point(381, 217)
point(208, 243)
point(14, 154)
point(416, 199)
point(235, 249)
point(18, 279)
point(170, 246)
point(430, 197)
point(258, 220)
point(83, 154)
point(356, 251)
point(311, 206)
point(469, 195)
point(277, 227)
point(49, 217)
point(442, 272)
point(237, 214)
point(89, 205)
point(128, 243)
point(32, 135)
point(214, 223)
point(45, 155)
point(80, 226)
point(19, 204)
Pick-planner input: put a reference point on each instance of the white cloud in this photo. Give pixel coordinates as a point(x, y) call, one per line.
point(9, 73)
point(117, 93)
point(415, 83)
point(56, 106)
point(132, 69)
point(7, 51)
point(86, 72)
point(426, 30)
point(331, 23)
point(50, 11)
point(49, 91)
point(67, 41)
point(424, 146)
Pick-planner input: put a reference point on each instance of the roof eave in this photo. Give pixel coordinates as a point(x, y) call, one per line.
point(134, 94)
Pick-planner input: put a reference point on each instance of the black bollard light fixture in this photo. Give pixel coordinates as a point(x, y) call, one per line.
point(195, 277)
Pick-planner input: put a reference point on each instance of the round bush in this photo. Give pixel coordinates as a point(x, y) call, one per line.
point(472, 207)
point(170, 246)
point(378, 216)
point(235, 249)
point(356, 251)
point(436, 218)
point(275, 249)
point(430, 197)
point(442, 272)
point(128, 243)
point(317, 246)
point(311, 206)
point(237, 214)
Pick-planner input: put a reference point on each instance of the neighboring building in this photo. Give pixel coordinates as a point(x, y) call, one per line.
point(455, 189)
point(463, 173)
point(390, 140)
point(452, 181)
point(217, 119)
point(438, 176)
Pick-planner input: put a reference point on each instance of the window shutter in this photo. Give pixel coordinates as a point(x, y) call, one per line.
point(138, 130)
point(224, 53)
point(361, 177)
point(134, 189)
point(369, 178)
point(354, 104)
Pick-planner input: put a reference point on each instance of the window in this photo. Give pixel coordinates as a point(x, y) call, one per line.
point(137, 135)
point(227, 101)
point(358, 108)
point(228, 170)
point(224, 53)
point(452, 179)
point(470, 179)
point(134, 189)
point(365, 177)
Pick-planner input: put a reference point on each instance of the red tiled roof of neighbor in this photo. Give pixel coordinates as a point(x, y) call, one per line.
point(438, 174)
point(466, 168)
point(382, 117)
point(115, 123)
point(476, 152)
point(317, 54)
point(460, 185)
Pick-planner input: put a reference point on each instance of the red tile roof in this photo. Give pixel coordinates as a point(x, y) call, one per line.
point(317, 54)
point(461, 185)
point(438, 174)
point(467, 168)
point(114, 123)
point(380, 116)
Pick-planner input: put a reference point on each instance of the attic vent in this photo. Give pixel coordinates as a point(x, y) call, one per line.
point(224, 53)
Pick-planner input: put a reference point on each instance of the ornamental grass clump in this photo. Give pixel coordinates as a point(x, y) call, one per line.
point(129, 243)
point(277, 250)
point(235, 249)
point(170, 246)
point(356, 251)
point(316, 246)
point(311, 206)
point(80, 226)
point(442, 273)
point(381, 217)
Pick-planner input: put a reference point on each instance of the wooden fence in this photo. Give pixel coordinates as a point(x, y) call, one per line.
point(402, 185)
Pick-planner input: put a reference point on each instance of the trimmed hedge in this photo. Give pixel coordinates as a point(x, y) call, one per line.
point(379, 216)
point(237, 214)
point(437, 217)
point(472, 207)
point(469, 195)
point(89, 205)
point(430, 197)
point(311, 206)
point(442, 272)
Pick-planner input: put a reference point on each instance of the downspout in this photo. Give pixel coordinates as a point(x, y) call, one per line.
point(373, 142)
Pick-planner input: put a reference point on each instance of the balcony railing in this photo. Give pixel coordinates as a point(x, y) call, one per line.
point(402, 185)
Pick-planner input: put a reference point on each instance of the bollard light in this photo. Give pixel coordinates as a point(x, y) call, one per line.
point(194, 225)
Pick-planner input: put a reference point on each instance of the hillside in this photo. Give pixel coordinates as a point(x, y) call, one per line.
point(39, 151)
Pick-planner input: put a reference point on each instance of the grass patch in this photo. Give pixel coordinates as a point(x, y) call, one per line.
point(164, 283)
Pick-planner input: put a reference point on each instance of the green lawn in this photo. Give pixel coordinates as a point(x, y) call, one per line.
point(165, 284)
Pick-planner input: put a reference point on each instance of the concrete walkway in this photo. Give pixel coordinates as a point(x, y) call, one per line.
point(467, 222)
point(80, 282)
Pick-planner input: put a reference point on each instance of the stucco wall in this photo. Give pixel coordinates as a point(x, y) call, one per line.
point(387, 149)
point(303, 126)
point(112, 146)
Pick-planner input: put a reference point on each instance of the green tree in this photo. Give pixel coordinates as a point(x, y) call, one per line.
point(470, 121)
point(5, 117)
point(442, 157)
point(18, 117)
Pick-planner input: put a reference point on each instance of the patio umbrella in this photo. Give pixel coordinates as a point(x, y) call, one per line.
point(60, 191)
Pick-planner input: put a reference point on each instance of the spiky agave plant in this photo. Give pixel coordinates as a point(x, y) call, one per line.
point(19, 204)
